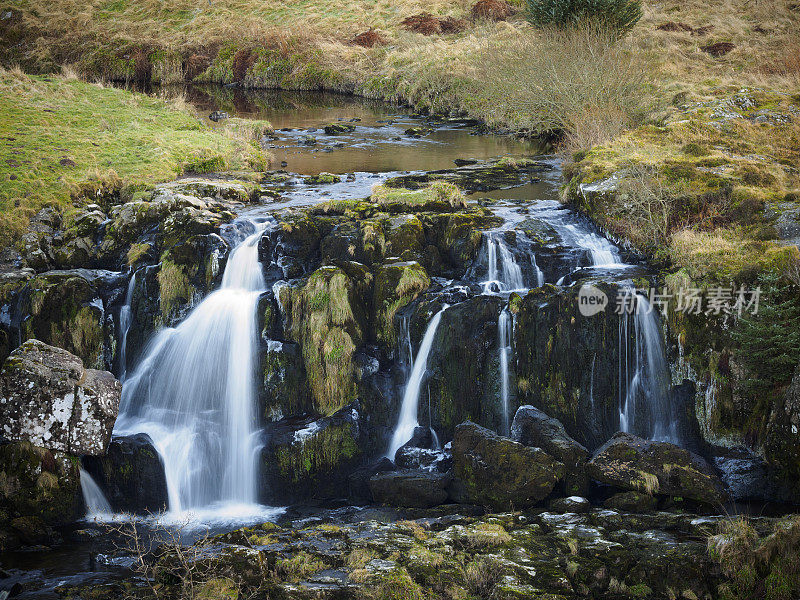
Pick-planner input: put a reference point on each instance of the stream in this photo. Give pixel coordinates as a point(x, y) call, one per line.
point(192, 391)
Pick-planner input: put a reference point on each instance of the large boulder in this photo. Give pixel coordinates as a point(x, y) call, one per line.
point(632, 463)
point(411, 489)
point(49, 399)
point(532, 427)
point(499, 472)
point(131, 475)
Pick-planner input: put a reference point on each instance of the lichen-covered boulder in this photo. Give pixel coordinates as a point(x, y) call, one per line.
point(499, 472)
point(49, 399)
point(533, 427)
point(632, 463)
point(410, 489)
point(131, 475)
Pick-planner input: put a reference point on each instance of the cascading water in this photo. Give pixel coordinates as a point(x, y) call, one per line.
point(644, 374)
point(407, 420)
point(96, 504)
point(504, 274)
point(194, 393)
point(504, 331)
point(125, 319)
point(601, 252)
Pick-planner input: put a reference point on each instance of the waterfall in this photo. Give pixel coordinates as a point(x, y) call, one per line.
point(93, 498)
point(504, 331)
point(537, 271)
point(125, 319)
point(644, 376)
point(601, 252)
point(194, 393)
point(509, 275)
point(407, 420)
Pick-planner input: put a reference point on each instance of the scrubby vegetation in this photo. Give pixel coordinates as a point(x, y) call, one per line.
point(758, 566)
point(618, 15)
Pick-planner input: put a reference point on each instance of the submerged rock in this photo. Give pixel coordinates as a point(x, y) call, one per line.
point(630, 462)
point(493, 470)
point(49, 399)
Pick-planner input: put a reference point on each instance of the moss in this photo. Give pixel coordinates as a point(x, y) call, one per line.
point(299, 566)
point(394, 585)
point(439, 195)
point(136, 252)
point(322, 178)
point(328, 321)
point(396, 285)
point(174, 288)
point(318, 454)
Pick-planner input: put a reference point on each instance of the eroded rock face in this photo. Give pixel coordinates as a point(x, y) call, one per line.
point(632, 463)
point(499, 472)
point(49, 399)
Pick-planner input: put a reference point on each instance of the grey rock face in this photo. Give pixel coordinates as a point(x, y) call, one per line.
point(50, 400)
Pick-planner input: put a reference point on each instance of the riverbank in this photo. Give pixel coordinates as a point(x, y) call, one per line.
point(65, 142)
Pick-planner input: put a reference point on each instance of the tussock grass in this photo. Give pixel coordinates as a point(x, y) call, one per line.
point(580, 81)
point(63, 141)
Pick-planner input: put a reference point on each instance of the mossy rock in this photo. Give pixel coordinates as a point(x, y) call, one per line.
point(337, 128)
point(396, 285)
point(329, 321)
point(39, 483)
point(321, 178)
point(64, 309)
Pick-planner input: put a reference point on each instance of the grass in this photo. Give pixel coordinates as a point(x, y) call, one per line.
point(64, 141)
point(758, 567)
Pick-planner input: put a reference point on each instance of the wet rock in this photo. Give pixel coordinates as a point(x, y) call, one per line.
point(336, 128)
point(630, 462)
point(37, 483)
point(66, 309)
point(131, 475)
point(414, 489)
point(635, 502)
point(305, 459)
point(464, 375)
point(533, 427)
point(50, 400)
point(493, 470)
point(396, 285)
point(570, 504)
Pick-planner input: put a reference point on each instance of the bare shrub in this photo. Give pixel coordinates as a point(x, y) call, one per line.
point(646, 206)
point(578, 82)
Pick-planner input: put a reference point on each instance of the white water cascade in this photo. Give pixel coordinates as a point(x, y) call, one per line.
point(504, 274)
point(125, 319)
point(602, 252)
point(504, 330)
point(194, 394)
point(407, 421)
point(96, 504)
point(644, 375)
